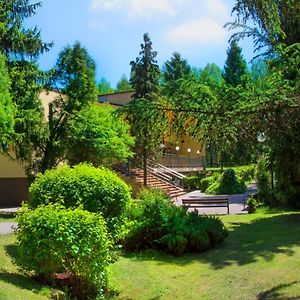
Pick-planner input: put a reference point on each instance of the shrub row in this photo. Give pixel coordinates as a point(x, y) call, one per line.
point(153, 222)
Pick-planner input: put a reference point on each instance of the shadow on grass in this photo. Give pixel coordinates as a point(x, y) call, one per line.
point(7, 215)
point(19, 280)
point(246, 243)
point(12, 251)
point(276, 292)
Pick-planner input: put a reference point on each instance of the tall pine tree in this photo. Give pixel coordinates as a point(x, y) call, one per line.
point(144, 79)
point(235, 68)
point(145, 72)
point(22, 46)
point(174, 71)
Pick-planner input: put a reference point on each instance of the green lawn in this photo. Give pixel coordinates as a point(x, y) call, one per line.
point(14, 285)
point(259, 260)
point(7, 217)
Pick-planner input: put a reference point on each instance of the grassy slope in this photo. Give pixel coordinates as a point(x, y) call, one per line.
point(259, 260)
point(13, 285)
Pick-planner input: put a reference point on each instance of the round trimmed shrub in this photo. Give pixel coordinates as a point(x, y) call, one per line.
point(96, 189)
point(53, 240)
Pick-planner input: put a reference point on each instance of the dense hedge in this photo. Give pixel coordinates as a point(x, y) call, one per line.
point(54, 240)
point(155, 223)
point(96, 189)
point(205, 179)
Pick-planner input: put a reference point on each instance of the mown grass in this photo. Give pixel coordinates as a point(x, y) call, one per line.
point(259, 260)
point(7, 217)
point(14, 285)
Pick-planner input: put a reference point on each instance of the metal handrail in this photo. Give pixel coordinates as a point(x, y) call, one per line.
point(160, 174)
point(171, 171)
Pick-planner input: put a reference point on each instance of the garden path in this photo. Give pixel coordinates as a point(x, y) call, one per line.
point(236, 202)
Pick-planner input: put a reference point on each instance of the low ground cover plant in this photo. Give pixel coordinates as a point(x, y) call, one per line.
point(96, 189)
point(54, 241)
point(153, 222)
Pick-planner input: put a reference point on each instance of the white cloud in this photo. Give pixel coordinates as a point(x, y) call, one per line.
point(106, 4)
point(200, 31)
point(217, 10)
point(150, 9)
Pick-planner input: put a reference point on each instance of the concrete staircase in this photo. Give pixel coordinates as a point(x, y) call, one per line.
point(154, 181)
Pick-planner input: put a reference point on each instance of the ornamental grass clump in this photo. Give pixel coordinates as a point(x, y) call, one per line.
point(54, 242)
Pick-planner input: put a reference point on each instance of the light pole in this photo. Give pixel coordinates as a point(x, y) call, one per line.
point(189, 156)
point(177, 148)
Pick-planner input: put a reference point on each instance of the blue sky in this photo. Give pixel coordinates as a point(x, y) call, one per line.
point(112, 31)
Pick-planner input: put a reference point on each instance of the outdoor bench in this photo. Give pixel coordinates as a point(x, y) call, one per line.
point(206, 202)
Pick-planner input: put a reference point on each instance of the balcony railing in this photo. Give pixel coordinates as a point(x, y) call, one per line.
point(181, 161)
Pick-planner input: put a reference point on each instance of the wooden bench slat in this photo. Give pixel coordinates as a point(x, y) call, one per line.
point(206, 202)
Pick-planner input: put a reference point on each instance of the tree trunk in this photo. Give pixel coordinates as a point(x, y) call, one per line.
point(145, 164)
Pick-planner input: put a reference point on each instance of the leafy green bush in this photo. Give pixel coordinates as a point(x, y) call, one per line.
point(246, 173)
point(96, 189)
point(208, 181)
point(54, 240)
point(155, 223)
point(263, 180)
point(193, 182)
point(252, 205)
point(228, 183)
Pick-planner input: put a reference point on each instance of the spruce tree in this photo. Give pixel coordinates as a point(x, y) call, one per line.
point(235, 68)
point(145, 82)
point(145, 72)
point(173, 71)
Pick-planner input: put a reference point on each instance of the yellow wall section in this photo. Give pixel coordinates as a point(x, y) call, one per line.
point(11, 168)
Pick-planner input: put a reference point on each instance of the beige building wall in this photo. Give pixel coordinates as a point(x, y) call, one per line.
point(10, 168)
point(46, 98)
point(13, 180)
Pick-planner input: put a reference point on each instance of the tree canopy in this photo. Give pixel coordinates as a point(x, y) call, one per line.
point(123, 84)
point(275, 22)
point(98, 136)
point(74, 78)
point(173, 72)
point(16, 41)
point(104, 87)
point(6, 107)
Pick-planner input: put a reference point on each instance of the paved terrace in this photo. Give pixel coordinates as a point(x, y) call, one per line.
point(236, 202)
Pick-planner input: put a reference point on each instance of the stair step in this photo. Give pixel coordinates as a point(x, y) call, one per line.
point(153, 181)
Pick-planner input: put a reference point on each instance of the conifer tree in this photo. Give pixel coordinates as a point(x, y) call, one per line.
point(145, 82)
point(235, 69)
